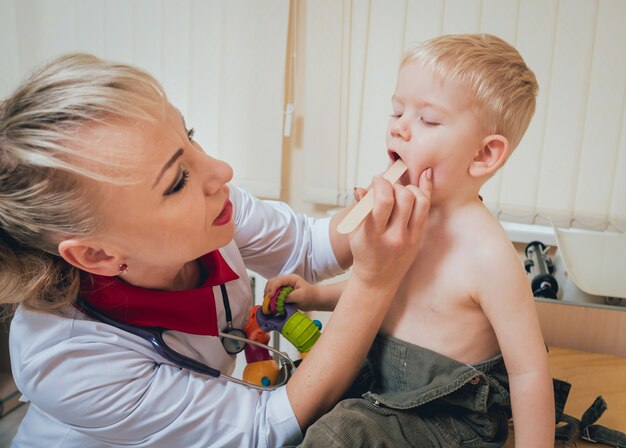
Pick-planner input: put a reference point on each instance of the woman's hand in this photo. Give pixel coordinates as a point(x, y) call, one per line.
point(384, 247)
point(385, 244)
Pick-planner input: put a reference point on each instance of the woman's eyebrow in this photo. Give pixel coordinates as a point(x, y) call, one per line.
point(168, 164)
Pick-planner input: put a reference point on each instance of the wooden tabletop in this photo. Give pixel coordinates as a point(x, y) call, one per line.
point(591, 375)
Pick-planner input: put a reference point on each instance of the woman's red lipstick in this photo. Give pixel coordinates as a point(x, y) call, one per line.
point(225, 215)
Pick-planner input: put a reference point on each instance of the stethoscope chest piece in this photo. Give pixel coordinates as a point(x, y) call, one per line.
point(233, 340)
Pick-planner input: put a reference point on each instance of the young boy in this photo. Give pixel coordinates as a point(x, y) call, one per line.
point(461, 347)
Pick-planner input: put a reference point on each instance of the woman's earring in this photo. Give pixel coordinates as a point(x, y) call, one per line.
point(123, 269)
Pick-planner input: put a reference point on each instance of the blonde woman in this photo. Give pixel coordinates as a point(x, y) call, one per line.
point(106, 199)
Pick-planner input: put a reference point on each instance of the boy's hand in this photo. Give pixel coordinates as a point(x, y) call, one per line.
point(385, 244)
point(304, 295)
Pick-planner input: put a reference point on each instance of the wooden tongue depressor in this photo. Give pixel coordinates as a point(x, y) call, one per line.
point(365, 205)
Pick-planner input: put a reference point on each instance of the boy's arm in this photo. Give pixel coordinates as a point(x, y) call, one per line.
point(507, 301)
point(306, 296)
point(329, 296)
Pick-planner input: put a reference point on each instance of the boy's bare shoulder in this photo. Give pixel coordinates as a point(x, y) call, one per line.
point(494, 263)
point(480, 232)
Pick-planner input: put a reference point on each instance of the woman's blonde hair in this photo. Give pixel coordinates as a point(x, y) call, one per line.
point(503, 87)
point(41, 161)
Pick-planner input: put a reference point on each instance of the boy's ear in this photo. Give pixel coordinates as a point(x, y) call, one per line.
point(89, 257)
point(490, 157)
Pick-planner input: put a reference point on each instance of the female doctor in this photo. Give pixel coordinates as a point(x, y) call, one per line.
point(105, 198)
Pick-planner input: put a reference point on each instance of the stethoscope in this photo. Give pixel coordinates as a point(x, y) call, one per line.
point(233, 340)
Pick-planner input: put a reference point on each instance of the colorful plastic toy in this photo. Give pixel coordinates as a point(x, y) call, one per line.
point(296, 327)
point(261, 369)
point(276, 315)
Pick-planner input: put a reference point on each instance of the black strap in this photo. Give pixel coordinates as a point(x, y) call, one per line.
point(583, 428)
point(229, 316)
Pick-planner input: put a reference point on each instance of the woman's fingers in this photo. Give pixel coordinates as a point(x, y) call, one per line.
point(425, 182)
point(383, 204)
point(404, 201)
point(422, 200)
point(396, 206)
point(359, 193)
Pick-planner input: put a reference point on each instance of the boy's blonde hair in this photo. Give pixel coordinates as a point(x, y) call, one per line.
point(42, 158)
point(503, 87)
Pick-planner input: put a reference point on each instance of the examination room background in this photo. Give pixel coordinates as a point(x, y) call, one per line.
point(295, 94)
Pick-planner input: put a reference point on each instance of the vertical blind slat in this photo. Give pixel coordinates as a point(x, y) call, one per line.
point(251, 95)
point(499, 18)
point(205, 29)
point(322, 92)
point(176, 60)
point(424, 19)
point(568, 91)
point(9, 69)
point(384, 49)
point(118, 30)
point(461, 16)
point(89, 23)
point(359, 30)
point(147, 36)
point(603, 118)
point(520, 175)
point(618, 193)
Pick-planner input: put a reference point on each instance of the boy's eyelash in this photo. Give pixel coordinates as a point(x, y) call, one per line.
point(190, 133)
point(428, 123)
point(180, 184)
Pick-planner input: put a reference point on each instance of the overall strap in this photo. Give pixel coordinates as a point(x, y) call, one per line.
point(583, 428)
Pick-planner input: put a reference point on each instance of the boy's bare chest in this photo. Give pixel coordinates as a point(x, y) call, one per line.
point(439, 280)
point(437, 303)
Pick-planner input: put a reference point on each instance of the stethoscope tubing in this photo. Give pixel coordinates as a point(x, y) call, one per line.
point(286, 365)
point(154, 335)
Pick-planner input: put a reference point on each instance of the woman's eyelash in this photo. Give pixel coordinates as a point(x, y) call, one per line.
point(180, 184)
point(190, 133)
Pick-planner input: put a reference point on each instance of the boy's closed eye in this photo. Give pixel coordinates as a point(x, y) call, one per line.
point(428, 122)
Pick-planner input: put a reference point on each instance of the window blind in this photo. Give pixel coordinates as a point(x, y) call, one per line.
point(222, 63)
point(570, 167)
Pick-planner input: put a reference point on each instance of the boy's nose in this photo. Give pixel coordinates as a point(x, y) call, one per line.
point(401, 129)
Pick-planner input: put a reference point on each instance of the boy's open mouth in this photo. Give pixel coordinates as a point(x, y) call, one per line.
point(406, 177)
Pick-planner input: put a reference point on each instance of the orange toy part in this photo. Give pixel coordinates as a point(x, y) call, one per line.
point(252, 329)
point(266, 305)
point(262, 373)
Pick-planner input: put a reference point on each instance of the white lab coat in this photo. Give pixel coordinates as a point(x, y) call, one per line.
point(92, 385)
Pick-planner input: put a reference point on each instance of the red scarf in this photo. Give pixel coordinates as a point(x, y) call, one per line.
point(190, 311)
